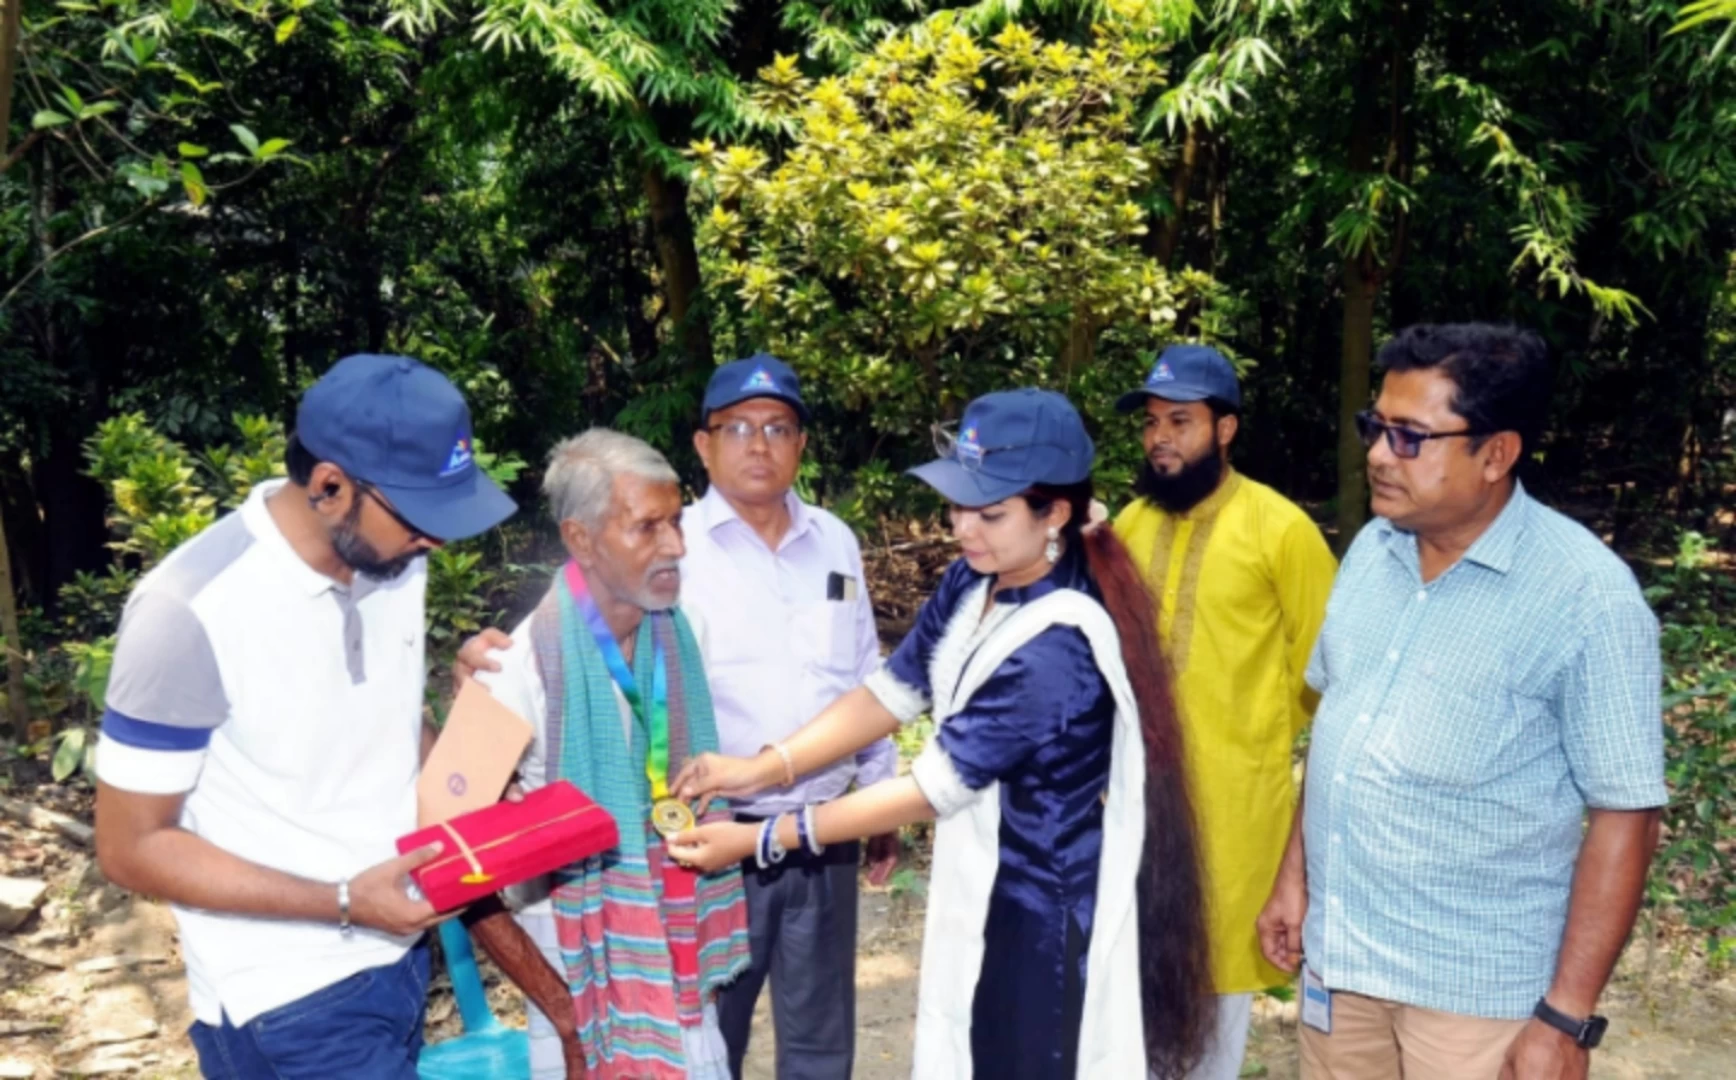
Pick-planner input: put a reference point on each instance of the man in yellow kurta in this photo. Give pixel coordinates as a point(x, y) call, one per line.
point(1240, 576)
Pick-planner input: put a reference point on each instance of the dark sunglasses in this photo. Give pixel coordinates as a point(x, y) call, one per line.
point(1404, 442)
point(392, 512)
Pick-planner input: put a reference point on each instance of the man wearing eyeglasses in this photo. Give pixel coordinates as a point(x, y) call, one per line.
point(1240, 575)
point(1486, 768)
point(263, 731)
point(780, 585)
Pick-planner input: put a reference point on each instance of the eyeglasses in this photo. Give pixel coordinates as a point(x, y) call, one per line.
point(969, 455)
point(777, 432)
point(392, 512)
point(1404, 442)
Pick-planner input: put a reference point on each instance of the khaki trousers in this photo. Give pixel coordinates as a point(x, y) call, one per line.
point(1382, 1040)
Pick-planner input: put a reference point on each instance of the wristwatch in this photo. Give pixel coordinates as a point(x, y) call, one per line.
point(1586, 1033)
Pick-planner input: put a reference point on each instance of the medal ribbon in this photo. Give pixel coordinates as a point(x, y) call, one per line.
point(656, 717)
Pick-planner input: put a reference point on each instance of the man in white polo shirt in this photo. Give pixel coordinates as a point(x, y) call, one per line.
point(263, 733)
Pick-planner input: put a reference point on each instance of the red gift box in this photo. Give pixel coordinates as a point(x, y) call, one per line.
point(487, 850)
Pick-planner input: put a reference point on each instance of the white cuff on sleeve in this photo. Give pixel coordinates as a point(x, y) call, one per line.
point(147, 772)
point(901, 699)
point(940, 782)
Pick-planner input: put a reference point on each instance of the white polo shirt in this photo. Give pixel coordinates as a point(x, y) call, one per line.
point(289, 708)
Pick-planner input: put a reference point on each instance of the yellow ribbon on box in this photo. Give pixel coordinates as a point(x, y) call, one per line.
point(479, 876)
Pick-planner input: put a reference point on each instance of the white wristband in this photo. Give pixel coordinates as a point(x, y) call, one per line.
point(789, 763)
point(814, 845)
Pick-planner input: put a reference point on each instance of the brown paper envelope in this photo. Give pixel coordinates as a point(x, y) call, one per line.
point(474, 758)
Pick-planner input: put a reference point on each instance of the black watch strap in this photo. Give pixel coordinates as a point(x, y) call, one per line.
point(1585, 1033)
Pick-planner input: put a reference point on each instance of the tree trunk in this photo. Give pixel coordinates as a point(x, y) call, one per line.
point(1361, 284)
point(292, 341)
point(10, 18)
point(22, 520)
point(16, 704)
point(1217, 199)
point(1180, 183)
point(667, 197)
point(1079, 349)
point(15, 699)
point(641, 330)
point(1360, 289)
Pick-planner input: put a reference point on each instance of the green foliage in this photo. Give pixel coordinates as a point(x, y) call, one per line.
point(912, 737)
point(1695, 872)
point(1702, 12)
point(907, 883)
point(458, 585)
point(257, 456)
point(90, 604)
point(74, 751)
point(870, 495)
point(954, 214)
point(160, 500)
point(653, 65)
point(119, 85)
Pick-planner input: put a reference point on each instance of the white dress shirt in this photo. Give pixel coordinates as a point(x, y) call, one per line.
point(779, 650)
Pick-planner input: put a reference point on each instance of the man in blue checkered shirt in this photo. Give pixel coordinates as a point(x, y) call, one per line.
point(1486, 770)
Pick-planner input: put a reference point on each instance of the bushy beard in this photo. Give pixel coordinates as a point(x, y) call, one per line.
point(1186, 489)
point(363, 557)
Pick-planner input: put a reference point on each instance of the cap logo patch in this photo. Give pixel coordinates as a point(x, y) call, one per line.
point(1160, 373)
point(968, 446)
point(761, 379)
point(459, 459)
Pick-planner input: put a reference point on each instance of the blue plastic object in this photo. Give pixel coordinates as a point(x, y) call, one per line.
point(488, 1050)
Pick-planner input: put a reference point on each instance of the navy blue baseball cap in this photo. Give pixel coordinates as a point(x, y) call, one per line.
point(1006, 443)
point(1186, 373)
point(761, 375)
point(399, 425)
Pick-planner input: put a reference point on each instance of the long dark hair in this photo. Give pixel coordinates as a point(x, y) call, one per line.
point(1176, 992)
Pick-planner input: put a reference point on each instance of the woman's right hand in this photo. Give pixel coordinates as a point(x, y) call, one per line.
point(709, 775)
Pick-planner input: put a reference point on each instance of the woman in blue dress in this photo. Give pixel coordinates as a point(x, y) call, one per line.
point(1064, 932)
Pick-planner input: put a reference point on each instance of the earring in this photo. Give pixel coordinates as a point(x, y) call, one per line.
point(1052, 550)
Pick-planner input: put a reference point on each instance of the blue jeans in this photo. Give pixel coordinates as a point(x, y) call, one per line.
point(367, 1027)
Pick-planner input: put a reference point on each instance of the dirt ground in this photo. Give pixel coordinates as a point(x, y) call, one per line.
point(1683, 1029)
point(91, 985)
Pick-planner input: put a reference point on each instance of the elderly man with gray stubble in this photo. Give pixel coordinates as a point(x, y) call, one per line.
point(623, 953)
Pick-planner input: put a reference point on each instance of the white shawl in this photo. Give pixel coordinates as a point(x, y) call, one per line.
point(967, 850)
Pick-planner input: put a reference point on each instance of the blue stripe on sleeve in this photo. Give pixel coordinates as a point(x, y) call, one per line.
point(149, 735)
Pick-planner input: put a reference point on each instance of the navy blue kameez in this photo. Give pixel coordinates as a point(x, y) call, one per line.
point(1041, 726)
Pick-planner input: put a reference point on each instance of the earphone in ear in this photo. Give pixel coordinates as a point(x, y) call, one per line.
point(331, 492)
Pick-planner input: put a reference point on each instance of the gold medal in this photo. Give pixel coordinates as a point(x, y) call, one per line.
point(671, 817)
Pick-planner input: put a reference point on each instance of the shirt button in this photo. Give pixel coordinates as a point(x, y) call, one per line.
point(1363, 719)
point(1422, 594)
point(1392, 656)
point(1336, 838)
point(1338, 778)
point(1335, 902)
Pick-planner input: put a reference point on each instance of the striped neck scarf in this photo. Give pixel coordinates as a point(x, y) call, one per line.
point(619, 928)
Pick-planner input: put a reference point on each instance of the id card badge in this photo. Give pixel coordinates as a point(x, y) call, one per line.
point(1316, 1002)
